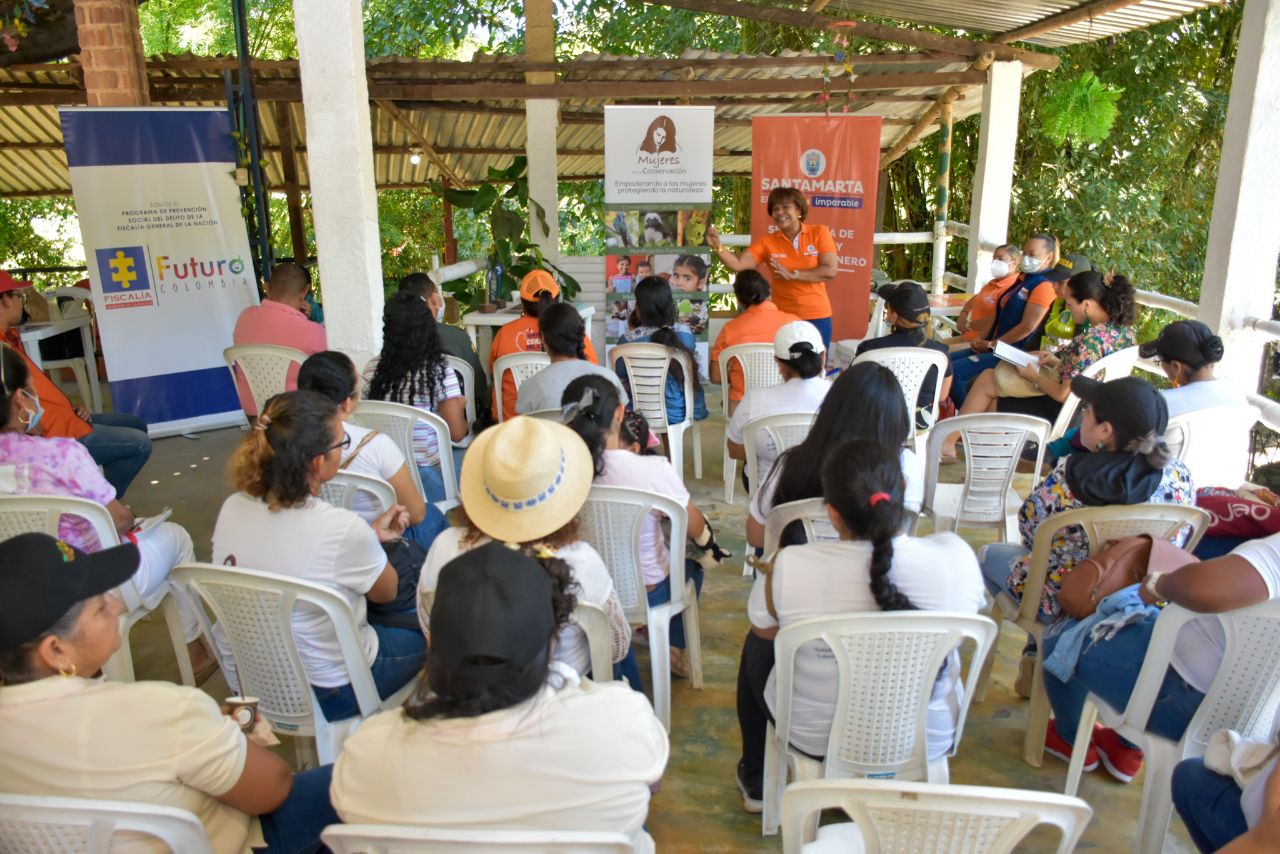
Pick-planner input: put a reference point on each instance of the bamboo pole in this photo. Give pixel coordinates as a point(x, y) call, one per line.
point(942, 198)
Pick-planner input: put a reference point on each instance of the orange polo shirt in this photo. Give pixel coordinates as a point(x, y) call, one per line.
point(983, 304)
point(806, 300)
point(521, 336)
point(757, 325)
point(60, 420)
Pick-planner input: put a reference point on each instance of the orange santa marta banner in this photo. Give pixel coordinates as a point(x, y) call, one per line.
point(834, 161)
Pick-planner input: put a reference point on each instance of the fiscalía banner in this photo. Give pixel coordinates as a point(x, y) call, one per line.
point(656, 155)
point(168, 256)
point(834, 161)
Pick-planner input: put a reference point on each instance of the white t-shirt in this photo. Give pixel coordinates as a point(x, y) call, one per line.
point(1201, 643)
point(578, 756)
point(588, 570)
point(378, 458)
point(545, 389)
point(1219, 453)
point(1201, 395)
point(151, 742)
point(937, 573)
point(912, 499)
point(795, 395)
point(316, 542)
point(654, 474)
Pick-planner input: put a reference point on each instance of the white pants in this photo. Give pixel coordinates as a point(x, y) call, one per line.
point(164, 547)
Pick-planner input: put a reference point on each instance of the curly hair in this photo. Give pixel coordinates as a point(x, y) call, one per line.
point(1114, 294)
point(411, 366)
point(566, 535)
point(273, 462)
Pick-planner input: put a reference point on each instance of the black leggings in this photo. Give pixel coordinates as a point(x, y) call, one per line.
point(754, 716)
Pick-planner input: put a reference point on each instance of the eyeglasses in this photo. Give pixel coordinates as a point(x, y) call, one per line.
point(344, 444)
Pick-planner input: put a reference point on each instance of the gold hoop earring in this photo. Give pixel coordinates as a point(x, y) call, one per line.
point(67, 674)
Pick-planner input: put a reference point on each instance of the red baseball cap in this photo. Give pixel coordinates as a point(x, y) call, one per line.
point(9, 283)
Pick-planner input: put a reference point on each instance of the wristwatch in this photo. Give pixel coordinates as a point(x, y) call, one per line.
point(1152, 580)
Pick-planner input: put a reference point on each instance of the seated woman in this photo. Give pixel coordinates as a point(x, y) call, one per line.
point(596, 414)
point(1104, 308)
point(1187, 350)
point(65, 732)
point(412, 370)
point(277, 523)
point(865, 402)
point(758, 321)
point(906, 308)
point(500, 735)
point(654, 320)
point(978, 315)
point(544, 469)
point(1109, 666)
point(797, 348)
point(64, 468)
point(873, 568)
point(538, 291)
point(333, 375)
point(563, 334)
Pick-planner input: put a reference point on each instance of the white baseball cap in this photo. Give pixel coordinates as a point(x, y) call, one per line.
point(795, 337)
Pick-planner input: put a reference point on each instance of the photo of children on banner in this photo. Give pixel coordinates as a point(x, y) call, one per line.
point(621, 272)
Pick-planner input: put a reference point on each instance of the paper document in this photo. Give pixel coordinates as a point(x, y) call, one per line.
point(148, 522)
point(1014, 356)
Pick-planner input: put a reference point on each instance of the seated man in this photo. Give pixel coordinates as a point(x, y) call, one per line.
point(281, 319)
point(454, 341)
point(117, 441)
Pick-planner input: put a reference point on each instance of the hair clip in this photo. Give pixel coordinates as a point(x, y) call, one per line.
point(877, 497)
point(570, 411)
point(264, 422)
point(542, 551)
point(1108, 278)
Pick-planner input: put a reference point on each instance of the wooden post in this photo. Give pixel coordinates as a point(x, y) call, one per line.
point(942, 198)
point(882, 198)
point(292, 194)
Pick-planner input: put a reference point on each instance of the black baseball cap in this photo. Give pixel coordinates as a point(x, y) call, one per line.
point(1067, 267)
point(42, 577)
point(909, 299)
point(492, 614)
point(1188, 341)
point(1130, 404)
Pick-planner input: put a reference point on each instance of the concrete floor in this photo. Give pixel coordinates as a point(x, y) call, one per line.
point(698, 808)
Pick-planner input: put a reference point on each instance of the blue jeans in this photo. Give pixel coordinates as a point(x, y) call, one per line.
point(823, 325)
point(1209, 805)
point(1109, 669)
point(294, 827)
point(425, 532)
point(120, 444)
point(433, 478)
point(662, 593)
point(629, 670)
point(965, 367)
point(401, 654)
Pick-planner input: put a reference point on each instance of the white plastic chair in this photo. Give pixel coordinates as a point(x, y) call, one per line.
point(265, 368)
point(1100, 524)
point(611, 520)
point(646, 367)
point(892, 817)
point(887, 666)
point(346, 485)
point(911, 365)
point(396, 421)
point(85, 368)
point(467, 377)
point(1244, 697)
point(1110, 367)
point(521, 366)
point(846, 349)
point(759, 370)
point(51, 825)
point(595, 625)
point(1214, 443)
point(993, 444)
point(254, 611)
point(785, 430)
point(23, 514)
point(401, 839)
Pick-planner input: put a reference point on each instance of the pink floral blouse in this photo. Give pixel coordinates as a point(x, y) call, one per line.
point(35, 465)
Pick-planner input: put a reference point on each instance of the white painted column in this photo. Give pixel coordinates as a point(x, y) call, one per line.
point(335, 101)
point(993, 180)
point(541, 119)
point(1244, 234)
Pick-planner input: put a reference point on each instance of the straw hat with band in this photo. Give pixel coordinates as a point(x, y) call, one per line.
point(537, 282)
point(525, 478)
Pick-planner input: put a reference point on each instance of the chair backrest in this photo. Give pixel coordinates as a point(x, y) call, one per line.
point(40, 514)
point(809, 512)
point(785, 430)
point(759, 369)
point(1214, 443)
point(265, 368)
point(612, 520)
point(80, 299)
point(346, 485)
point(895, 817)
point(993, 444)
point(397, 421)
point(888, 663)
point(1113, 366)
point(400, 839)
point(467, 378)
point(254, 610)
point(595, 625)
point(646, 366)
point(911, 365)
point(548, 414)
point(1101, 524)
point(521, 366)
point(82, 826)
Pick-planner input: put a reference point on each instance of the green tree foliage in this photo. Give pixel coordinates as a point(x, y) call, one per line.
point(1083, 111)
point(40, 233)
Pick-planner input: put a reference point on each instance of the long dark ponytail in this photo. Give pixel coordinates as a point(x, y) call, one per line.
point(863, 481)
point(656, 307)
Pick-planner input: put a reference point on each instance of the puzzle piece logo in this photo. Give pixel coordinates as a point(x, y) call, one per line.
point(123, 272)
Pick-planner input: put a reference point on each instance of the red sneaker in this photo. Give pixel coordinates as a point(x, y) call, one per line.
point(1055, 745)
point(1121, 761)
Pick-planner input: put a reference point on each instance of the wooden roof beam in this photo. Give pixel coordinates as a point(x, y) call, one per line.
point(1087, 12)
point(418, 136)
point(930, 116)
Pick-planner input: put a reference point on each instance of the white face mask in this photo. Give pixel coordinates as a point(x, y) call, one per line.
point(999, 269)
point(1029, 264)
point(440, 314)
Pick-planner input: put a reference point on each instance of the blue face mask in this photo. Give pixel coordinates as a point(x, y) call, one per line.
point(33, 415)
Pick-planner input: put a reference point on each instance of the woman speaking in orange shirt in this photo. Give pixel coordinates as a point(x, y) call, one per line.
point(797, 258)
